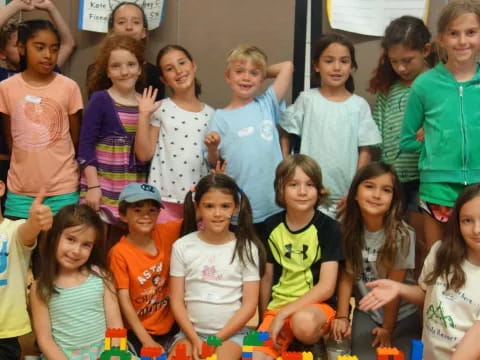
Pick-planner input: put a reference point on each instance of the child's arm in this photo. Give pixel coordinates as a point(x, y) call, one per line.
point(212, 140)
point(364, 156)
point(67, 42)
point(386, 290)
point(245, 313)
point(147, 135)
point(412, 121)
point(42, 327)
point(284, 142)
point(383, 334)
point(177, 304)
point(12, 8)
point(282, 72)
point(132, 319)
point(265, 289)
point(74, 124)
point(40, 218)
point(113, 315)
point(341, 325)
point(469, 347)
point(322, 291)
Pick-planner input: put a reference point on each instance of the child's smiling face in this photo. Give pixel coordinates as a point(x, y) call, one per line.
point(245, 78)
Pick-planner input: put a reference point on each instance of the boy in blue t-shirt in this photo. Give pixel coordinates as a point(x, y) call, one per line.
point(245, 133)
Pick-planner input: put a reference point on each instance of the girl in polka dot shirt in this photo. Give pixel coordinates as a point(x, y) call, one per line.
point(171, 133)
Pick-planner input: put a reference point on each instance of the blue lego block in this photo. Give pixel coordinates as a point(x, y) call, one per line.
point(247, 355)
point(416, 350)
point(263, 335)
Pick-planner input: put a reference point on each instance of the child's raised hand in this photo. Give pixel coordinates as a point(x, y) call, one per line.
point(25, 5)
point(220, 167)
point(383, 292)
point(93, 198)
point(212, 140)
point(146, 102)
point(42, 4)
point(383, 337)
point(341, 327)
point(40, 215)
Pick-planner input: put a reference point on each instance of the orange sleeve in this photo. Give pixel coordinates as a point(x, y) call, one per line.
point(119, 267)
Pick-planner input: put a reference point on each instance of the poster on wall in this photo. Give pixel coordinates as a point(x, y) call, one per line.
point(93, 14)
point(371, 17)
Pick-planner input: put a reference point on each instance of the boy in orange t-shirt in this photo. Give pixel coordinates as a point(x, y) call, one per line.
point(140, 263)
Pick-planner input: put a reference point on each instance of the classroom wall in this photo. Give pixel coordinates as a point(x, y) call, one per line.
point(209, 28)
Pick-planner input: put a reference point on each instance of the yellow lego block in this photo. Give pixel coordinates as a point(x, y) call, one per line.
point(347, 357)
point(213, 357)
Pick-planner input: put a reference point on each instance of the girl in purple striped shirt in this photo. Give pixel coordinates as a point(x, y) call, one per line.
point(106, 151)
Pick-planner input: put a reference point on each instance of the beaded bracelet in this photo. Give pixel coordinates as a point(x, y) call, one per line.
point(93, 187)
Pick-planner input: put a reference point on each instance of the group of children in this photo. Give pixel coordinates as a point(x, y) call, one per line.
point(265, 229)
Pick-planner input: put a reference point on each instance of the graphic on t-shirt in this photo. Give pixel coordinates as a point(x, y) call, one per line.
point(267, 129)
point(289, 251)
point(154, 294)
point(436, 314)
point(369, 256)
point(38, 123)
point(210, 273)
point(3, 260)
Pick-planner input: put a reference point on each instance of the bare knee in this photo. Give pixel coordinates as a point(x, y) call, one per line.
point(307, 325)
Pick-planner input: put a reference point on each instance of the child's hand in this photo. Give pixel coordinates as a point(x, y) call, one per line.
point(146, 102)
point(382, 337)
point(93, 198)
point(383, 292)
point(212, 140)
point(40, 215)
point(197, 349)
point(220, 167)
point(275, 329)
point(420, 135)
point(25, 5)
point(42, 4)
point(340, 328)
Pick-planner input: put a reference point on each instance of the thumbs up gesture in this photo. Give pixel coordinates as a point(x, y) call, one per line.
point(40, 215)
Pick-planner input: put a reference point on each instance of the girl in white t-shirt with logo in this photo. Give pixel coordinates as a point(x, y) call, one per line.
point(448, 285)
point(215, 276)
point(171, 133)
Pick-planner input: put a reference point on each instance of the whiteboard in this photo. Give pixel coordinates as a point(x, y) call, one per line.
point(93, 14)
point(371, 17)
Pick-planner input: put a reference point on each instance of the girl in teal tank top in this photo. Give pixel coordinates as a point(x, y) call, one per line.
point(73, 300)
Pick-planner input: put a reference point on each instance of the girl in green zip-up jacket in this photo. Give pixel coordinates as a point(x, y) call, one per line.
point(445, 101)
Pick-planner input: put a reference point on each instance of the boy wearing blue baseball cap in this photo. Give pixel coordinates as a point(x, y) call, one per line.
point(140, 263)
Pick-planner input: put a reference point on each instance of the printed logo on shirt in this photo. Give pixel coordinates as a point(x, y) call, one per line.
point(266, 130)
point(246, 131)
point(39, 123)
point(210, 273)
point(437, 315)
point(147, 274)
point(3, 260)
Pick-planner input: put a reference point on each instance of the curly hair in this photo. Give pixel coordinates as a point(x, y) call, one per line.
point(98, 79)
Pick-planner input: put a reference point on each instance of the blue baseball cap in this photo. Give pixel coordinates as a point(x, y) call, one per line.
point(137, 192)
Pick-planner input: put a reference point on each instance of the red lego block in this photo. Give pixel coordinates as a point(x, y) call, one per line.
point(116, 333)
point(181, 353)
point(207, 350)
point(292, 355)
point(151, 351)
